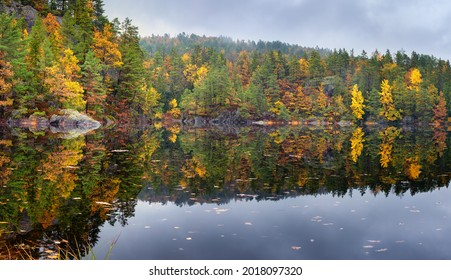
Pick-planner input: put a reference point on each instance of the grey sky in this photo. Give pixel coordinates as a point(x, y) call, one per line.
point(420, 25)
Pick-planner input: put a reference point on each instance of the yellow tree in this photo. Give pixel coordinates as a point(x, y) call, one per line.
point(54, 34)
point(414, 79)
point(357, 140)
point(412, 168)
point(61, 80)
point(321, 101)
point(304, 68)
point(357, 101)
point(6, 84)
point(150, 102)
point(195, 75)
point(389, 136)
point(106, 48)
point(174, 110)
point(303, 102)
point(388, 110)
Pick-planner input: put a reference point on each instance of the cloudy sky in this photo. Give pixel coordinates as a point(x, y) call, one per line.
point(420, 25)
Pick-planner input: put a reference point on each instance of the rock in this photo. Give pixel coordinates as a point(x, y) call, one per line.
point(20, 11)
point(72, 123)
point(200, 121)
point(228, 118)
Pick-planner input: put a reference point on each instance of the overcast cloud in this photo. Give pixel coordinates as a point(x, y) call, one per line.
point(419, 25)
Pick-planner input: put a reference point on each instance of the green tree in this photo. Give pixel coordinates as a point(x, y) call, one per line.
point(130, 75)
point(94, 88)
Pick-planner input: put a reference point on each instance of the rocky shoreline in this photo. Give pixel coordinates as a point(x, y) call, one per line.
point(69, 123)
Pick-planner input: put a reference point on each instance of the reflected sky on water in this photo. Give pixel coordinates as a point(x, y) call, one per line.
point(306, 227)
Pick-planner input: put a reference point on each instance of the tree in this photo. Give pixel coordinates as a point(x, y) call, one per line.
point(94, 89)
point(9, 43)
point(304, 102)
point(357, 140)
point(388, 110)
point(388, 136)
point(62, 81)
point(440, 112)
point(54, 34)
point(357, 101)
point(106, 49)
point(316, 67)
point(150, 103)
point(414, 79)
point(6, 84)
point(38, 58)
point(130, 76)
point(244, 68)
point(78, 27)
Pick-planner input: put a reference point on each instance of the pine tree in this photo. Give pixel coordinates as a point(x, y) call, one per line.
point(10, 45)
point(130, 79)
point(94, 88)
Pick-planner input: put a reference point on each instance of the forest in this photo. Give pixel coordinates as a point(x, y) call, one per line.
point(57, 190)
point(73, 57)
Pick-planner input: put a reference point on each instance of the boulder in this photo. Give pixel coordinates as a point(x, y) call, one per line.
point(72, 123)
point(28, 13)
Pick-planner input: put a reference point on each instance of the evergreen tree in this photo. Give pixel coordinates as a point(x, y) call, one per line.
point(94, 88)
point(130, 78)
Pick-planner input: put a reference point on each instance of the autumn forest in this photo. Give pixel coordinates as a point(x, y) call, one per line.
point(196, 120)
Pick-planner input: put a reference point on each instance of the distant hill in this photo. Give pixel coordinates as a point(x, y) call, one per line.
point(186, 42)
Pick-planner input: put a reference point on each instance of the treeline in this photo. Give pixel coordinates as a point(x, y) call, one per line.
point(207, 76)
point(72, 57)
point(184, 43)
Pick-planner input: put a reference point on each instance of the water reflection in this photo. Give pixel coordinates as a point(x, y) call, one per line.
point(71, 198)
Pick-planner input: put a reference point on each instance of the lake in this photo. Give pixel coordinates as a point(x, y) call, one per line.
point(177, 192)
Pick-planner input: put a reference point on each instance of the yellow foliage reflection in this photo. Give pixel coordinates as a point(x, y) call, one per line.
point(413, 168)
point(385, 149)
point(357, 143)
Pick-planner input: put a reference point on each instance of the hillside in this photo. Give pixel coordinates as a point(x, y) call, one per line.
point(184, 42)
point(216, 77)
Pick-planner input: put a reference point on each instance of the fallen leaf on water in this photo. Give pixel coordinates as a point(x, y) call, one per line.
point(71, 167)
point(103, 203)
point(382, 250)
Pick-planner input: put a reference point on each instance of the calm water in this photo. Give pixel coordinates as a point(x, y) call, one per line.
point(229, 193)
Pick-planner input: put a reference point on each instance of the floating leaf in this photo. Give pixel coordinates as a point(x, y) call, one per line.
point(103, 203)
point(119, 151)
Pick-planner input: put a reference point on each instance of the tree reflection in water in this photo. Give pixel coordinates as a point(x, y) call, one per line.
point(56, 193)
